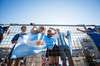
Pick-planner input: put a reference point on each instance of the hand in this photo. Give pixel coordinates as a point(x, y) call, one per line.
point(21, 33)
point(67, 33)
point(50, 28)
point(78, 29)
point(14, 41)
point(33, 24)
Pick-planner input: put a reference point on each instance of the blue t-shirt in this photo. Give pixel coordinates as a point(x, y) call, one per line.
point(1, 31)
point(16, 37)
point(95, 36)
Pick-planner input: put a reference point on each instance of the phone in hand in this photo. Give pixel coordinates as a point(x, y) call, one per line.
point(31, 24)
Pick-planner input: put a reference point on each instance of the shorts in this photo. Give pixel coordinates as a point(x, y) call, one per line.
point(53, 52)
point(64, 51)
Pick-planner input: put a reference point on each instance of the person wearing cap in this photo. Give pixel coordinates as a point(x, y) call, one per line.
point(52, 54)
point(64, 50)
point(94, 35)
point(14, 40)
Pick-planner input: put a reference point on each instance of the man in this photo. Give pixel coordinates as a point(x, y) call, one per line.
point(94, 35)
point(63, 48)
point(30, 59)
point(14, 40)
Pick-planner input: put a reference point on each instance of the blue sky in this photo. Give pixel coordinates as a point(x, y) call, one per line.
point(50, 11)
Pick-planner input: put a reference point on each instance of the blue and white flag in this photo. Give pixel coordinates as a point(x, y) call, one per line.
point(63, 42)
point(31, 44)
point(69, 41)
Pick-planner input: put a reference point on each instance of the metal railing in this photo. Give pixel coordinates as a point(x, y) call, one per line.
point(76, 36)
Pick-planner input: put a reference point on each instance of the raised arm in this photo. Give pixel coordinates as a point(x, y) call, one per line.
point(14, 41)
point(66, 36)
point(81, 30)
point(15, 38)
point(32, 30)
point(53, 29)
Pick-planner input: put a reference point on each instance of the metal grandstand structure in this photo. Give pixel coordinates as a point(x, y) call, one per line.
point(77, 38)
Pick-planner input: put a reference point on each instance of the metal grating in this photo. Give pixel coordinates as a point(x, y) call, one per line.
point(77, 38)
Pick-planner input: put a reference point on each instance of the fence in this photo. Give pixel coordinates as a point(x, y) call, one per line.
point(78, 40)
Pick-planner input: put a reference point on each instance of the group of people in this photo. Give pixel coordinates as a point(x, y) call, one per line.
point(94, 35)
point(96, 39)
point(60, 49)
point(3, 61)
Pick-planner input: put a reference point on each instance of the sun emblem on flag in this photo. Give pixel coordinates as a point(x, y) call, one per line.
point(39, 43)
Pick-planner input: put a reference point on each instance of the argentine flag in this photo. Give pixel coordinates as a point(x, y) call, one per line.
point(69, 41)
point(29, 44)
